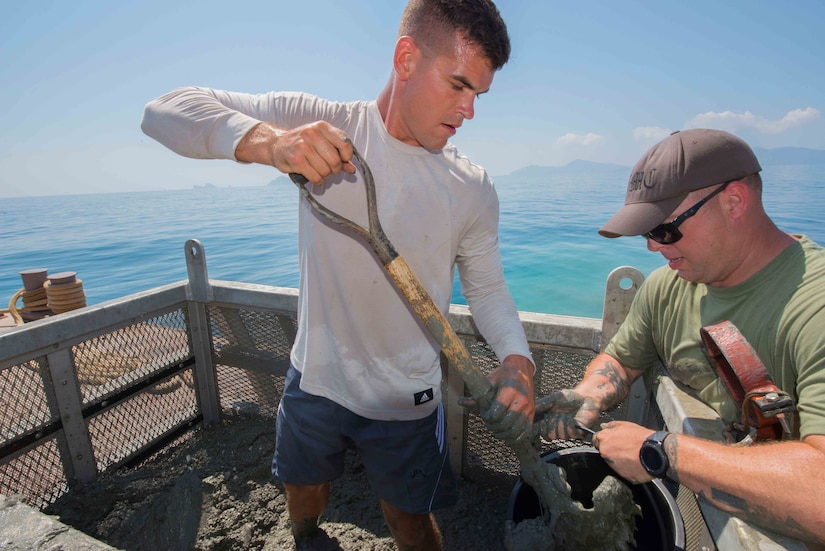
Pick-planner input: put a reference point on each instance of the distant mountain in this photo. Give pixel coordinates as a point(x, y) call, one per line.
point(789, 156)
point(540, 174)
point(282, 180)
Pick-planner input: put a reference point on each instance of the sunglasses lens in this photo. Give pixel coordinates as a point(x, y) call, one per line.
point(664, 234)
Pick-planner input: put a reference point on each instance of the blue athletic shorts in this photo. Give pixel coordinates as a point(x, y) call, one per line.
point(406, 462)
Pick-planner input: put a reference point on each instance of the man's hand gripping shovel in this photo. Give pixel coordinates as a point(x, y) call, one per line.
point(553, 492)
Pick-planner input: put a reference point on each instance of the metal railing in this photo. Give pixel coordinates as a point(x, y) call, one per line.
point(85, 392)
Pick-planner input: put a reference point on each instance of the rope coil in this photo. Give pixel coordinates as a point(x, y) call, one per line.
point(57, 294)
point(64, 292)
point(35, 301)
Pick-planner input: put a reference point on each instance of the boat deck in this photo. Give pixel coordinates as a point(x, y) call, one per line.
point(6, 321)
point(85, 392)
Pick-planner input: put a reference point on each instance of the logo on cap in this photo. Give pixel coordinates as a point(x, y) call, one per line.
point(641, 178)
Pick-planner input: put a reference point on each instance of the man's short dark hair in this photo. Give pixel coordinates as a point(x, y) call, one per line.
point(479, 21)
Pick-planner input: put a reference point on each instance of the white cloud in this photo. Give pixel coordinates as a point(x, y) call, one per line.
point(650, 133)
point(727, 120)
point(587, 140)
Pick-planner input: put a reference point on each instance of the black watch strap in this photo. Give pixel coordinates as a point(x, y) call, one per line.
point(652, 454)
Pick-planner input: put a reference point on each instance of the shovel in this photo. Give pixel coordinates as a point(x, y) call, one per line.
point(553, 492)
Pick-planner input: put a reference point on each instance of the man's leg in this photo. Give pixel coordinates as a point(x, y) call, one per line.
point(305, 505)
point(412, 532)
point(407, 464)
point(309, 452)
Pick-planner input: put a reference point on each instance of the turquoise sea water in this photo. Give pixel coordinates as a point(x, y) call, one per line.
point(555, 262)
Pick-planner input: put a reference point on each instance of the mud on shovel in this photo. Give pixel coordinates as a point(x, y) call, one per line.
point(553, 492)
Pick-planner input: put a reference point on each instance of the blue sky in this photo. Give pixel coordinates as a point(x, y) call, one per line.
point(600, 81)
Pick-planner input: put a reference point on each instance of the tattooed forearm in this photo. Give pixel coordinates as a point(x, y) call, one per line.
point(758, 515)
point(615, 387)
point(731, 501)
point(589, 406)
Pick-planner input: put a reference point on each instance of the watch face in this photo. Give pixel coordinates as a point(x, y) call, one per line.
point(653, 459)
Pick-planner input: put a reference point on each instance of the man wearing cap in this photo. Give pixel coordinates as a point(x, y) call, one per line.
point(696, 198)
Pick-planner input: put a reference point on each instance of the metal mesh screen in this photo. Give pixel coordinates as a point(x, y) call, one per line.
point(36, 474)
point(136, 385)
point(557, 369)
point(120, 432)
point(109, 363)
point(252, 355)
point(136, 357)
point(247, 392)
point(252, 330)
point(30, 463)
point(23, 401)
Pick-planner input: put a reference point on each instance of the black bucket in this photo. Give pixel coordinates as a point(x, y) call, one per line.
point(659, 528)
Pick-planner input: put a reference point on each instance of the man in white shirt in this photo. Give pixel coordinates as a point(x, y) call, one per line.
point(365, 372)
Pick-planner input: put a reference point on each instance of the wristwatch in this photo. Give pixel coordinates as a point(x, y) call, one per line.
point(652, 454)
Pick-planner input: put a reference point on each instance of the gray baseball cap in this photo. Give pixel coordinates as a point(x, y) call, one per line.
point(683, 162)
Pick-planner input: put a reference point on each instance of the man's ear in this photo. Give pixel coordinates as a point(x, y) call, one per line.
point(405, 57)
point(737, 198)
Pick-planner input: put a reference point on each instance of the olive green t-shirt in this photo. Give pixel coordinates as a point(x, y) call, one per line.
point(780, 310)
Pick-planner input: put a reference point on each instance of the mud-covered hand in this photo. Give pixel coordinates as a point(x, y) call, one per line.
point(510, 415)
point(560, 413)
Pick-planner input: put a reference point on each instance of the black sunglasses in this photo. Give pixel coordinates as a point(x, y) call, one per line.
point(668, 233)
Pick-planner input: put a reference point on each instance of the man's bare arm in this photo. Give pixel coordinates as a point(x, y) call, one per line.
point(777, 485)
point(606, 384)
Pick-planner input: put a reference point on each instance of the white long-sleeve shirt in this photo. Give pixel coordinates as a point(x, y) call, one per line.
point(359, 343)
